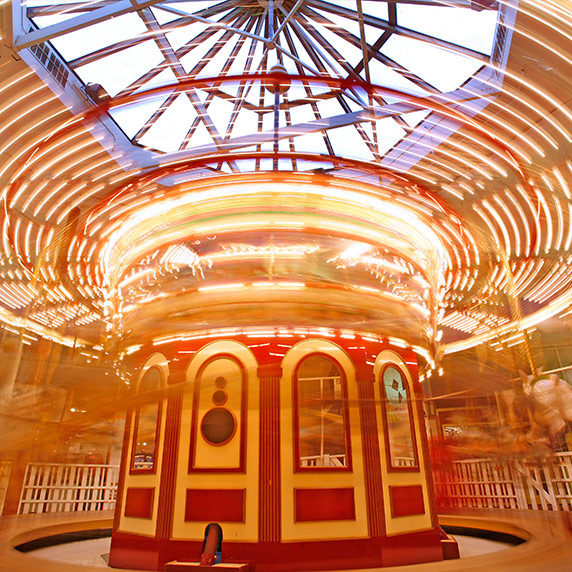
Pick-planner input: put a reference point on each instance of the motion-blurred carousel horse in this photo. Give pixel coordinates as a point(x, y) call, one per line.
point(549, 401)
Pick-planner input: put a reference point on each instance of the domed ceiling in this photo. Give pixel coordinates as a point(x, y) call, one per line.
point(394, 169)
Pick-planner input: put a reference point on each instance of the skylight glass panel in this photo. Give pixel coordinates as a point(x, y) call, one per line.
point(302, 114)
point(98, 36)
point(117, 71)
point(347, 142)
point(220, 111)
point(350, 25)
point(416, 117)
point(168, 132)
point(330, 107)
point(218, 60)
point(268, 121)
point(191, 60)
point(383, 75)
point(388, 134)
point(441, 68)
point(166, 77)
point(297, 91)
point(131, 117)
point(467, 28)
point(348, 52)
point(163, 16)
point(375, 8)
point(45, 21)
point(311, 143)
point(184, 34)
point(244, 123)
point(240, 60)
point(372, 34)
point(200, 137)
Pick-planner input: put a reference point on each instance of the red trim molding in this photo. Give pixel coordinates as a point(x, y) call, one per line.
point(406, 500)
point(324, 504)
point(139, 502)
point(216, 505)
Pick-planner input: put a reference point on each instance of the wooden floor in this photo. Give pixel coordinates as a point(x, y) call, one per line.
point(548, 546)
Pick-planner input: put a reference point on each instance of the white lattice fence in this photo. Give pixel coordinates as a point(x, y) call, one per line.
point(544, 484)
point(68, 488)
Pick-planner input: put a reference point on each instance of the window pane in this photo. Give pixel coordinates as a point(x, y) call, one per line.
point(144, 444)
point(399, 423)
point(322, 431)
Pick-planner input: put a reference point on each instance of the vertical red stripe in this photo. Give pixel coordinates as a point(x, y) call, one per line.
point(371, 458)
point(269, 486)
point(169, 463)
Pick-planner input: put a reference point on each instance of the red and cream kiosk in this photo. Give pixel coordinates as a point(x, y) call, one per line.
point(307, 447)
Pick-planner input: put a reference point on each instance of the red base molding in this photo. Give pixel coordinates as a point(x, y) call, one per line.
point(144, 553)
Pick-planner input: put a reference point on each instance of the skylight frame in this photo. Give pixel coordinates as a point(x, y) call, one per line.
point(230, 13)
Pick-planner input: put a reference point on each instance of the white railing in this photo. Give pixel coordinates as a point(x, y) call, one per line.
point(50, 487)
point(403, 462)
point(543, 484)
point(5, 468)
point(324, 460)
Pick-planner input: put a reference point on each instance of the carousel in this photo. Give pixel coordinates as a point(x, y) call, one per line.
point(273, 221)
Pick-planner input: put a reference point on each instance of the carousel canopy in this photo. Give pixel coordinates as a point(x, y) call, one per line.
point(393, 168)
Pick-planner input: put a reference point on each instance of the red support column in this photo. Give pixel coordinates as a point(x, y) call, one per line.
point(371, 454)
point(166, 501)
point(269, 495)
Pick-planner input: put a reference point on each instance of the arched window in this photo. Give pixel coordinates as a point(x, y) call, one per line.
point(321, 416)
point(399, 428)
point(147, 420)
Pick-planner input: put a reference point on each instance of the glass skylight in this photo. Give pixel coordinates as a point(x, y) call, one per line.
point(415, 50)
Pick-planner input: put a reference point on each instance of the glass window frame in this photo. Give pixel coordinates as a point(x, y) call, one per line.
point(416, 468)
point(153, 469)
point(298, 468)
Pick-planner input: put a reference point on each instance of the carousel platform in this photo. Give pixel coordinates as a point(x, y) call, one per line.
point(546, 536)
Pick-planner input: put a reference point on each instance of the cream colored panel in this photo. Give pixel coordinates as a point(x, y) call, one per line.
point(401, 524)
point(292, 530)
point(224, 455)
point(248, 530)
point(145, 526)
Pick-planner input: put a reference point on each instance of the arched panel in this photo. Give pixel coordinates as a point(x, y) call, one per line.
point(404, 470)
point(218, 444)
point(397, 413)
point(321, 417)
point(147, 421)
point(318, 387)
point(144, 454)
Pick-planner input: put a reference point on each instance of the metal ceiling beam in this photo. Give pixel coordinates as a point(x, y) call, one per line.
point(316, 126)
point(79, 22)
